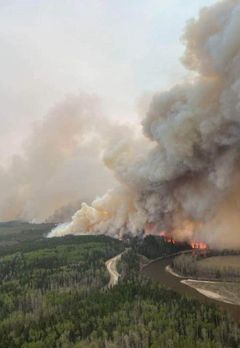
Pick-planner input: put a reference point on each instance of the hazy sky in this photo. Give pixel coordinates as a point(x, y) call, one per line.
point(117, 49)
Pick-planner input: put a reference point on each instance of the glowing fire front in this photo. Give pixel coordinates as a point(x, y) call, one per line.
point(167, 237)
point(195, 244)
point(199, 245)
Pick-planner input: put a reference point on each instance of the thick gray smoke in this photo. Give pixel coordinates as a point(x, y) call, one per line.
point(61, 163)
point(187, 183)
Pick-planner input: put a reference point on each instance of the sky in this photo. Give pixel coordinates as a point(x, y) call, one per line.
point(117, 50)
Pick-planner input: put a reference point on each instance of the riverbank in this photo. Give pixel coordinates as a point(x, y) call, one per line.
point(219, 291)
point(218, 268)
point(157, 272)
point(227, 292)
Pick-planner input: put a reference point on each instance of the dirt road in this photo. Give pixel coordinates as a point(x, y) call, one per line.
point(112, 269)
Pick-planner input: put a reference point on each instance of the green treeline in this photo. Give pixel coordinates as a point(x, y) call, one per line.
point(153, 247)
point(136, 313)
point(53, 294)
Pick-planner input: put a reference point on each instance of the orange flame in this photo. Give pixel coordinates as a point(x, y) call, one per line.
point(199, 245)
point(168, 238)
point(196, 245)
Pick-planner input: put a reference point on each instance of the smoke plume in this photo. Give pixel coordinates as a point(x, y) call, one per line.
point(186, 180)
point(61, 163)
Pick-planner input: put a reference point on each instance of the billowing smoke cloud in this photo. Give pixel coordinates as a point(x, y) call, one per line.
point(61, 163)
point(187, 182)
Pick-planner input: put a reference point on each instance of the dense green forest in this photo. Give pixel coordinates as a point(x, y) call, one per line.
point(53, 294)
point(153, 247)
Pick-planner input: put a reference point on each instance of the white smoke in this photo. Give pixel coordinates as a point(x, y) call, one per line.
point(61, 163)
point(184, 182)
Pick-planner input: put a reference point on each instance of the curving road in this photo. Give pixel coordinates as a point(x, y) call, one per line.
point(112, 269)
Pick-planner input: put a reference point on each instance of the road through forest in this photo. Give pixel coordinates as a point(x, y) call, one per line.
point(112, 270)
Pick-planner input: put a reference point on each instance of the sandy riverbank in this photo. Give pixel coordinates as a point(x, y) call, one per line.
point(219, 291)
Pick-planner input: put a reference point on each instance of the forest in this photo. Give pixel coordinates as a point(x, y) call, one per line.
point(53, 294)
point(153, 247)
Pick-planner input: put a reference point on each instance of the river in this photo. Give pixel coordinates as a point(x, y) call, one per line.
point(156, 271)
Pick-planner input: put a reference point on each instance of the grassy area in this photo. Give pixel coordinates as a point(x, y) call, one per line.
point(221, 263)
point(220, 267)
point(225, 268)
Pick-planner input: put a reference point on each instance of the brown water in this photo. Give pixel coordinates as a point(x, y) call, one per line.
point(156, 271)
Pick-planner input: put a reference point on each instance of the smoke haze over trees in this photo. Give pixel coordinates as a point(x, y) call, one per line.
point(186, 180)
point(180, 175)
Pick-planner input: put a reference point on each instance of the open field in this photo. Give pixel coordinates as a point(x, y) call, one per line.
point(225, 294)
point(221, 263)
point(221, 268)
point(217, 277)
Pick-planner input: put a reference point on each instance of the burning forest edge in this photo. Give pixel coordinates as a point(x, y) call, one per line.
point(138, 240)
point(182, 174)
